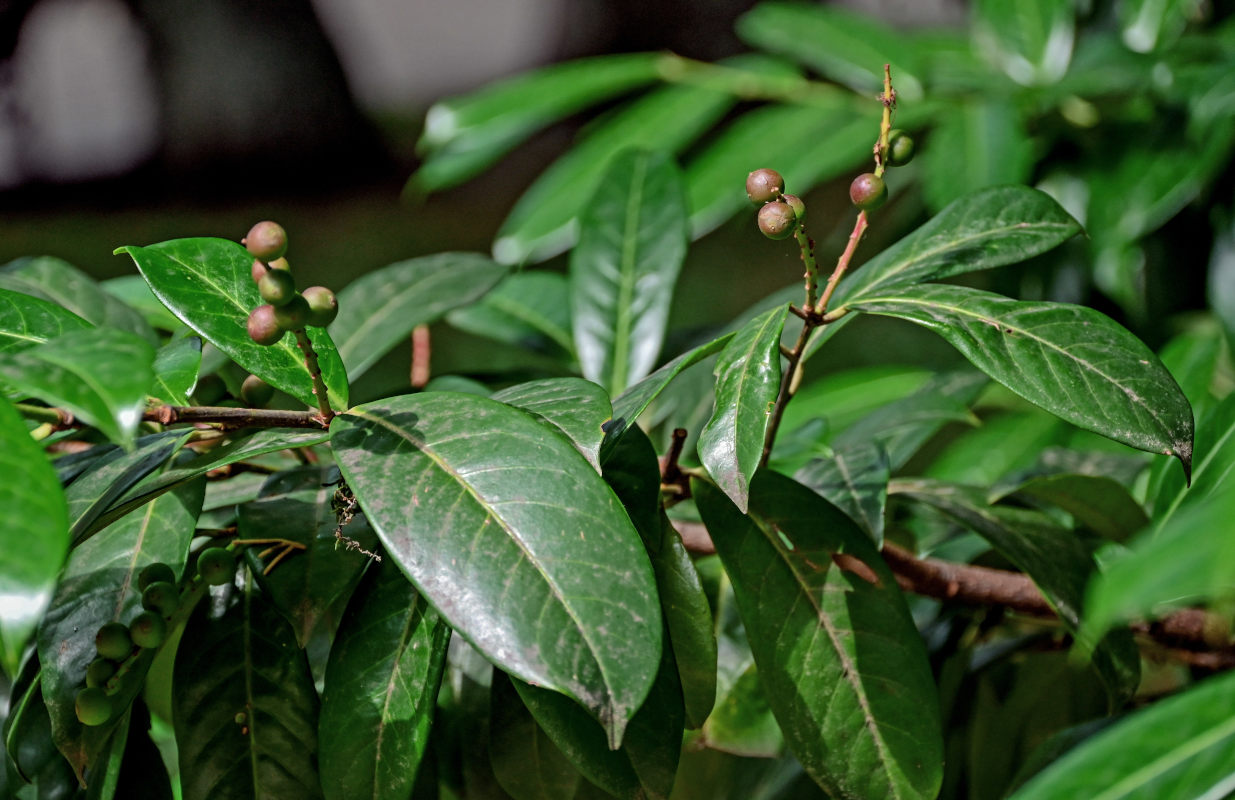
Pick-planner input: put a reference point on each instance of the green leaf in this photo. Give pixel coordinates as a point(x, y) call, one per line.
point(99, 585)
point(1144, 25)
point(1215, 463)
point(1177, 747)
point(208, 284)
point(1001, 444)
point(849, 48)
point(466, 494)
point(58, 281)
point(855, 480)
point(688, 618)
point(463, 135)
point(845, 396)
point(100, 376)
point(28, 747)
point(632, 470)
point(530, 309)
point(632, 239)
point(34, 535)
point(244, 705)
point(978, 144)
point(1072, 361)
point(176, 366)
point(1030, 42)
point(576, 408)
point(748, 378)
point(379, 310)
point(525, 760)
point(839, 657)
point(381, 688)
point(134, 292)
point(743, 724)
point(1102, 504)
point(26, 321)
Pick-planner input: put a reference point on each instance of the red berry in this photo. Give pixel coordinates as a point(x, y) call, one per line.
point(777, 220)
point(764, 185)
point(263, 327)
point(868, 191)
point(266, 240)
point(323, 306)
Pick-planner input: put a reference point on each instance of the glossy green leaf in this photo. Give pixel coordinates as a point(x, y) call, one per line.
point(99, 585)
point(576, 408)
point(845, 396)
point(463, 135)
point(380, 309)
point(689, 620)
point(530, 309)
point(632, 239)
point(999, 445)
point(1215, 464)
point(244, 705)
point(101, 377)
point(855, 480)
point(34, 535)
point(743, 723)
point(57, 281)
point(1030, 42)
point(977, 145)
point(525, 760)
point(543, 221)
point(26, 321)
point(1102, 504)
point(28, 748)
point(632, 470)
point(1054, 557)
point(208, 284)
point(467, 495)
point(176, 366)
point(381, 688)
point(135, 293)
point(748, 381)
point(839, 657)
point(1073, 361)
point(845, 46)
point(1177, 747)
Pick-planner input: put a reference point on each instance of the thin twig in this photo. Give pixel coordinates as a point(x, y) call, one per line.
point(421, 351)
point(315, 372)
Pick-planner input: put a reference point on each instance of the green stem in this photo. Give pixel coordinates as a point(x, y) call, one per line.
point(315, 372)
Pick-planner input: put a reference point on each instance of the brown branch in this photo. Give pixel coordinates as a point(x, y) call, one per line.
point(235, 417)
point(421, 352)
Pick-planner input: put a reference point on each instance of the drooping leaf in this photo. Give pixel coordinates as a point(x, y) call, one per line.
point(1102, 504)
point(176, 366)
point(208, 284)
point(100, 376)
point(26, 321)
point(748, 378)
point(632, 239)
point(466, 494)
point(575, 407)
point(380, 309)
point(529, 308)
point(855, 480)
point(1030, 42)
point(57, 281)
point(838, 655)
point(978, 144)
point(244, 705)
point(1070, 360)
point(688, 619)
point(381, 688)
point(34, 535)
point(525, 760)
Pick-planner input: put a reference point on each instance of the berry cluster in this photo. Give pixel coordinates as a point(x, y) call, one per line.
point(285, 308)
point(118, 644)
point(868, 191)
point(779, 213)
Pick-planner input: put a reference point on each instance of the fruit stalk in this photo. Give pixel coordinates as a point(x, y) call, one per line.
point(325, 413)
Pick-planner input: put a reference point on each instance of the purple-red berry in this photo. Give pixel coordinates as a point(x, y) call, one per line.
point(323, 305)
point(868, 191)
point(764, 185)
point(777, 220)
point(266, 240)
point(263, 327)
point(277, 287)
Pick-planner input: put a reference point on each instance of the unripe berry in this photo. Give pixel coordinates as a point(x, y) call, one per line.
point(293, 315)
point(263, 327)
point(256, 392)
point(777, 220)
point(112, 641)
point(868, 191)
point(795, 202)
point(266, 240)
point(100, 671)
point(93, 706)
point(162, 597)
point(216, 565)
point(154, 573)
point(260, 268)
point(764, 185)
point(209, 390)
point(323, 305)
point(277, 287)
point(900, 148)
point(148, 629)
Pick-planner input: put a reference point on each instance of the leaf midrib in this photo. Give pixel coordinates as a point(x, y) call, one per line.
point(626, 280)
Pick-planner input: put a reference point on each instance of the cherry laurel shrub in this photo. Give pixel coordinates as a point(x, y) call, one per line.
point(489, 591)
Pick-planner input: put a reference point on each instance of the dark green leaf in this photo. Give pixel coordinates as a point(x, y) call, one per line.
point(525, 760)
point(855, 480)
point(26, 321)
point(464, 135)
point(1030, 42)
point(104, 774)
point(28, 747)
point(1196, 358)
point(1001, 444)
point(633, 472)
point(100, 376)
point(1215, 464)
point(632, 239)
point(747, 384)
point(175, 370)
point(58, 281)
point(845, 396)
point(379, 310)
point(1072, 361)
point(134, 292)
point(977, 145)
point(743, 723)
point(208, 284)
point(34, 535)
point(576, 408)
point(689, 620)
point(530, 309)
point(1178, 747)
point(1102, 504)
point(467, 495)
point(381, 688)
point(838, 655)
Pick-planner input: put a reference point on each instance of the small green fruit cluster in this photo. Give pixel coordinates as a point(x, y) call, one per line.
point(285, 309)
point(779, 213)
point(216, 565)
point(868, 191)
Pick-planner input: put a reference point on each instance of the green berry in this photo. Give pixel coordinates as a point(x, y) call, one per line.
point(266, 240)
point(93, 706)
point(209, 390)
point(900, 148)
point(764, 185)
point(100, 671)
point(280, 263)
point(216, 565)
point(112, 641)
point(154, 573)
point(323, 306)
point(256, 392)
point(777, 220)
point(868, 191)
point(292, 316)
point(277, 287)
point(149, 630)
point(263, 327)
point(162, 597)
point(795, 202)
